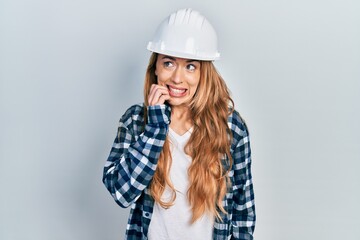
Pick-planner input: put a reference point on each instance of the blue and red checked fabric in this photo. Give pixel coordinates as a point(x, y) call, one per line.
point(132, 163)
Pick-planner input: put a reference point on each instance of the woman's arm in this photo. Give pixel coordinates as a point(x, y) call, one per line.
point(244, 217)
point(133, 159)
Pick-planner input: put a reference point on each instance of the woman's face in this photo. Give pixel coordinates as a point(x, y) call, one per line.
point(181, 77)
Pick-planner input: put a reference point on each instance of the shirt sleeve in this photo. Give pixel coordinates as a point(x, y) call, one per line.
point(243, 218)
point(133, 159)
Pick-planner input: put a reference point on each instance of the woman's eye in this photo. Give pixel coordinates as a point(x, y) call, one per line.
point(168, 64)
point(190, 67)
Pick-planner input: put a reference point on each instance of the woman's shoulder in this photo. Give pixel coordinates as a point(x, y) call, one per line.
point(237, 124)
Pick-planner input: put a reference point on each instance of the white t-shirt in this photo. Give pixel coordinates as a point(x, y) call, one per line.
point(174, 223)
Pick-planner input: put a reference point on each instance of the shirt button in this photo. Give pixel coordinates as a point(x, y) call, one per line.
point(147, 214)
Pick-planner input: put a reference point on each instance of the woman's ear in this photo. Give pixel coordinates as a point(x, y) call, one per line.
point(155, 72)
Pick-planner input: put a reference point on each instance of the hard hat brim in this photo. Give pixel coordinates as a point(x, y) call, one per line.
point(183, 54)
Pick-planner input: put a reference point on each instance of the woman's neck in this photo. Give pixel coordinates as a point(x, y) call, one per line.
point(181, 120)
point(180, 113)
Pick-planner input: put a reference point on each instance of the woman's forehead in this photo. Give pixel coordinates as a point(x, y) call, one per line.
point(162, 56)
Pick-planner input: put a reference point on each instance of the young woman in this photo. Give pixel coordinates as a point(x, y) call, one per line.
point(182, 160)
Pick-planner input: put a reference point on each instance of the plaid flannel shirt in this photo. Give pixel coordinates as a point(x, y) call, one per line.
point(133, 159)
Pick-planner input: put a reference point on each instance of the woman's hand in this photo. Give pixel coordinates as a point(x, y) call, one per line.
point(158, 95)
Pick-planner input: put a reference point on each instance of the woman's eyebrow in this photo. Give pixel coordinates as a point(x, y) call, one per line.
point(192, 60)
point(171, 58)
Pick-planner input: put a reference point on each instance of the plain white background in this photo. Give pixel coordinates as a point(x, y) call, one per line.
point(69, 70)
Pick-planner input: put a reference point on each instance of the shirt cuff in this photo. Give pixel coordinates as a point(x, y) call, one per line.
point(159, 114)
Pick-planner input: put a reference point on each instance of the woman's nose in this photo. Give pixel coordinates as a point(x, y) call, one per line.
point(177, 76)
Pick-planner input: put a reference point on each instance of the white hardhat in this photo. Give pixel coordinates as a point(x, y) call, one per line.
point(185, 34)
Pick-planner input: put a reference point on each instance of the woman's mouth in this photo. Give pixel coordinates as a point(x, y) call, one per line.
point(176, 92)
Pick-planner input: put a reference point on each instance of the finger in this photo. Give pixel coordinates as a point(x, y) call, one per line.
point(164, 98)
point(156, 97)
point(151, 92)
point(152, 89)
point(155, 93)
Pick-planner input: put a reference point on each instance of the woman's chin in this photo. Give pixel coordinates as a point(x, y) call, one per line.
point(177, 102)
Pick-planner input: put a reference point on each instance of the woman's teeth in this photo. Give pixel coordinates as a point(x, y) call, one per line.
point(177, 91)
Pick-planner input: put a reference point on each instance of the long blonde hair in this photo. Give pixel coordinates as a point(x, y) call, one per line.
point(208, 145)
